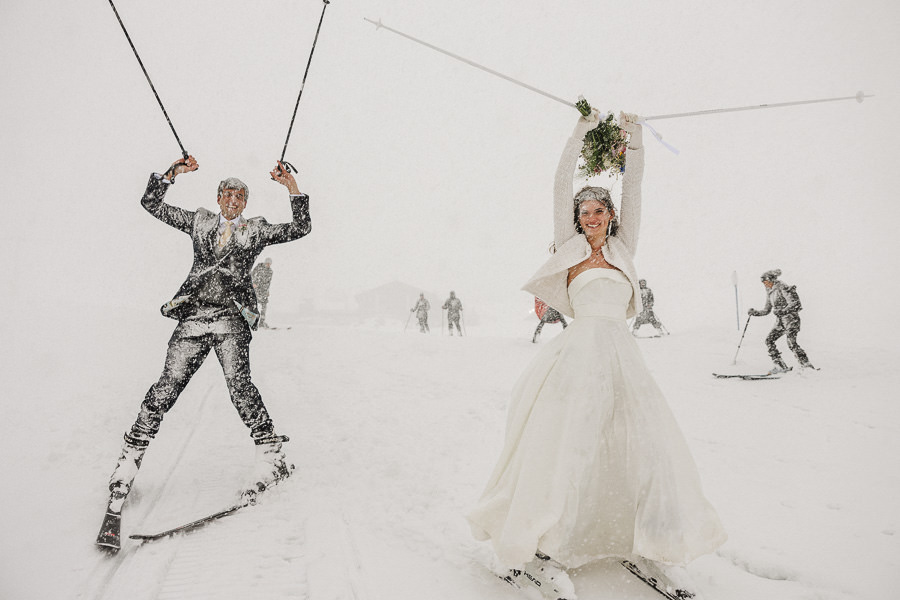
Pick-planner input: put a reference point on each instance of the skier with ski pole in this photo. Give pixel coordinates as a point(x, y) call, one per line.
point(783, 300)
point(216, 309)
point(421, 309)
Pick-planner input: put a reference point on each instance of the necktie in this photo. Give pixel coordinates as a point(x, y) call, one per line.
point(226, 235)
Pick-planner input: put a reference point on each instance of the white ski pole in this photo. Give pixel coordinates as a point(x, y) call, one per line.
point(859, 97)
point(737, 308)
point(379, 25)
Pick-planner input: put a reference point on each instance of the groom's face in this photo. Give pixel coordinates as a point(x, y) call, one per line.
point(232, 203)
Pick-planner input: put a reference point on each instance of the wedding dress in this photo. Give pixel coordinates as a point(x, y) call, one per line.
point(594, 464)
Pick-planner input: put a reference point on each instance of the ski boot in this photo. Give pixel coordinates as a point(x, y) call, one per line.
point(779, 368)
point(270, 468)
point(546, 575)
point(120, 482)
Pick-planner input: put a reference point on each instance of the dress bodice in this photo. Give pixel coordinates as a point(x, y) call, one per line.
point(600, 293)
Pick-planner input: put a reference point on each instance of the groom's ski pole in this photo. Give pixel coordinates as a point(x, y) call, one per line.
point(141, 63)
point(289, 166)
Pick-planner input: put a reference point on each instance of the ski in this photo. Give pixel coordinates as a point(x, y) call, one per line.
point(187, 526)
point(747, 376)
point(666, 589)
point(109, 538)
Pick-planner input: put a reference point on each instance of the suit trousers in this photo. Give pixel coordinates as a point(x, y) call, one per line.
point(189, 346)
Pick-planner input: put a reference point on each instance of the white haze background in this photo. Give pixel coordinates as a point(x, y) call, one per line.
point(426, 171)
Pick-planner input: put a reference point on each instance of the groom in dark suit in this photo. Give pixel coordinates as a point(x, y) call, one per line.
point(216, 310)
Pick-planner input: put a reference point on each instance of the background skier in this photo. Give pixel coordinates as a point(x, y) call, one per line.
point(453, 306)
point(216, 310)
point(262, 279)
point(647, 315)
point(782, 299)
point(421, 309)
point(548, 314)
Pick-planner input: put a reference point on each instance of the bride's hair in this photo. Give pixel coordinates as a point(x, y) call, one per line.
point(600, 195)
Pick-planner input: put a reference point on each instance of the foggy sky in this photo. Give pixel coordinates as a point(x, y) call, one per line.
point(427, 171)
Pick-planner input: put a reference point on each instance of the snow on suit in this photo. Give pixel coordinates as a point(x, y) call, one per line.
point(215, 308)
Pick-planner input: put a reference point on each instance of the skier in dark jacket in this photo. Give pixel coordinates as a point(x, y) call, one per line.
point(782, 299)
point(421, 309)
point(216, 310)
point(454, 307)
point(550, 315)
point(647, 315)
point(262, 279)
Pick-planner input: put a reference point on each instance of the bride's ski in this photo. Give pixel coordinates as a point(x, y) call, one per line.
point(658, 583)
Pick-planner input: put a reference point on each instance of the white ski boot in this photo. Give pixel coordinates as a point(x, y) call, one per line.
point(123, 475)
point(546, 575)
point(271, 467)
point(119, 485)
point(778, 369)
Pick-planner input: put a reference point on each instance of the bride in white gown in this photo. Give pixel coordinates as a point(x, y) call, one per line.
point(594, 464)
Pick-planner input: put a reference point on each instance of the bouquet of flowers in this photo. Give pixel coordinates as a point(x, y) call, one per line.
point(604, 146)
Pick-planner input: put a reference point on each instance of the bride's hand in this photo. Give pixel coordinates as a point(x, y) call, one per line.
point(594, 117)
point(628, 121)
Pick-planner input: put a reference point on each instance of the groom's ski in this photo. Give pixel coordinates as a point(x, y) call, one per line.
point(665, 588)
point(187, 526)
point(249, 497)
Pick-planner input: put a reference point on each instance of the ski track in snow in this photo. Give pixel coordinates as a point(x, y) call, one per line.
point(393, 435)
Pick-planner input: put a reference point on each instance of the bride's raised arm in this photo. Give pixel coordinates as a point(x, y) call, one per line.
point(563, 191)
point(630, 208)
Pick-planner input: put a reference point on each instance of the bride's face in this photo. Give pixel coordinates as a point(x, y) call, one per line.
point(594, 217)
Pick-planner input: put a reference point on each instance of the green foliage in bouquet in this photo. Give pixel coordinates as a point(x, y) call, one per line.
point(604, 146)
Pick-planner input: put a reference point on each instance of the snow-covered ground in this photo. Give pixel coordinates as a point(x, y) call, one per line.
point(394, 434)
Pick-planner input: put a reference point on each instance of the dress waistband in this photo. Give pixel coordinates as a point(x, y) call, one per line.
point(608, 311)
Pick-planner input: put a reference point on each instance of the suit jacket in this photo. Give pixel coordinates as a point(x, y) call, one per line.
point(232, 264)
point(549, 283)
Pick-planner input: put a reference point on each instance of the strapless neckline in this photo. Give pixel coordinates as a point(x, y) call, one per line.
point(582, 279)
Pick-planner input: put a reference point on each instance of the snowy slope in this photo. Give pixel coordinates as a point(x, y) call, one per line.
point(393, 435)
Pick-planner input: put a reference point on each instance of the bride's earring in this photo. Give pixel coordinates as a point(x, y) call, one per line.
point(609, 229)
